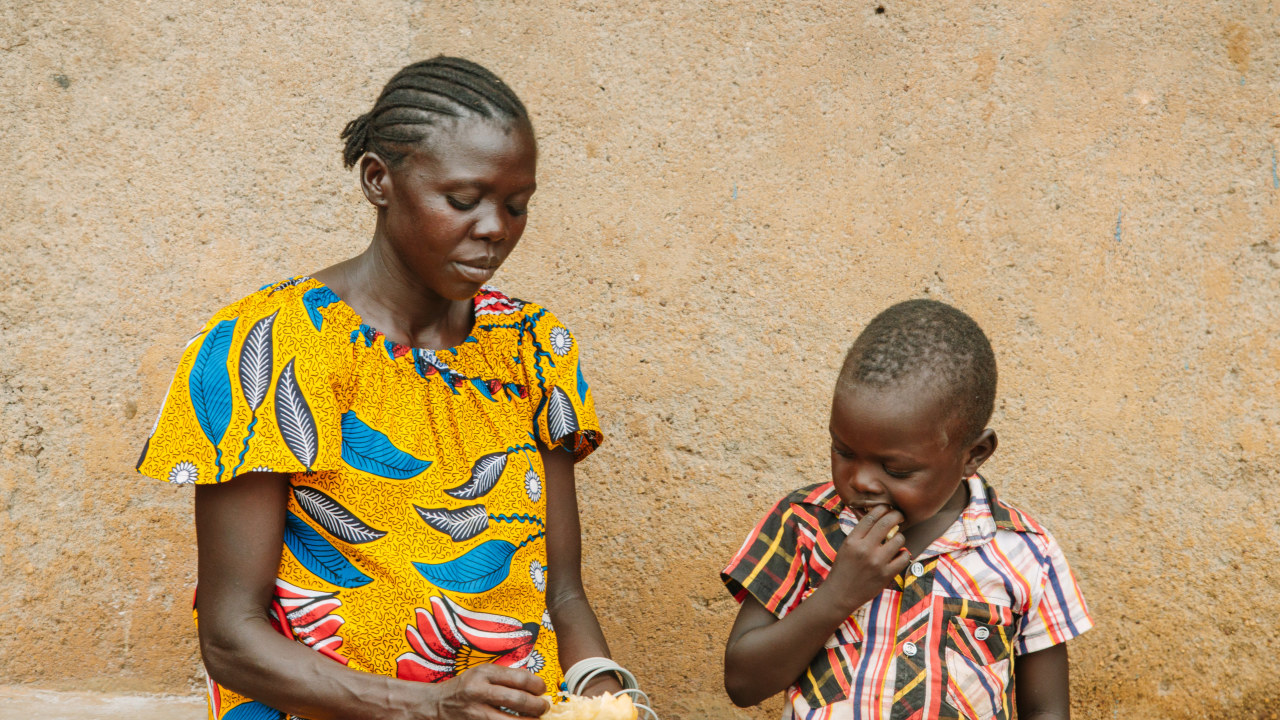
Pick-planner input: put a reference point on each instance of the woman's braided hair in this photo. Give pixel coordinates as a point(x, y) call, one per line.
point(418, 98)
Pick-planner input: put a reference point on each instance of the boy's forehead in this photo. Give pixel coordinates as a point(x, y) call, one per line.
point(917, 401)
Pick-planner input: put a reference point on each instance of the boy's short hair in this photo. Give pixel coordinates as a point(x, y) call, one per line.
point(933, 342)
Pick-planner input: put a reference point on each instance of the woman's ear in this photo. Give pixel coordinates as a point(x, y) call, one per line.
point(375, 179)
point(981, 449)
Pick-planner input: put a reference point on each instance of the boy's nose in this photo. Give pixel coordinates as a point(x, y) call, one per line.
point(865, 481)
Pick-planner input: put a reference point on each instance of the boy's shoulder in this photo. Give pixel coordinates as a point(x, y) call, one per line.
point(820, 495)
point(1009, 517)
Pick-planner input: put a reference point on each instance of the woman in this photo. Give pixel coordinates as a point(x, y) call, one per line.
point(384, 450)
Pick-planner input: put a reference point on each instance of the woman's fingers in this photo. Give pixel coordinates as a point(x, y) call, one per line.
point(518, 679)
point(517, 690)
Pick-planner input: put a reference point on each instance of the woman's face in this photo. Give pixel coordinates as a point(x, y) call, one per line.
point(457, 205)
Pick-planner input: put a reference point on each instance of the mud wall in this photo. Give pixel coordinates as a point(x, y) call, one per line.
point(728, 190)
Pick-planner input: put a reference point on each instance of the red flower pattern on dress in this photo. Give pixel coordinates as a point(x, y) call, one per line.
point(494, 302)
point(449, 639)
point(307, 616)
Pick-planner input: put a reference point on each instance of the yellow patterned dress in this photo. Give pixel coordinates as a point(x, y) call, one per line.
point(415, 543)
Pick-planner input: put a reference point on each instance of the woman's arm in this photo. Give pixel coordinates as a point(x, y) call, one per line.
point(239, 531)
point(577, 629)
point(1041, 682)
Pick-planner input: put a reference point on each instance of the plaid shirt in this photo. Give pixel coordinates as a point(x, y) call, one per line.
point(939, 642)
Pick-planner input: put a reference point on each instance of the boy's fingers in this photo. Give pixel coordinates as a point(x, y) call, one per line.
point(867, 524)
point(887, 525)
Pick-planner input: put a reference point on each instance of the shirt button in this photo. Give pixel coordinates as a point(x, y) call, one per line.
point(982, 633)
point(909, 649)
point(917, 569)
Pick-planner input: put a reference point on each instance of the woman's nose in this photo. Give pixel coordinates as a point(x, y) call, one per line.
point(491, 226)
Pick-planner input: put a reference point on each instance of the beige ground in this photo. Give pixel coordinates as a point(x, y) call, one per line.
point(22, 703)
point(727, 191)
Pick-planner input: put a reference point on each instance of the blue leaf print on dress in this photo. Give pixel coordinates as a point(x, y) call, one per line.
point(461, 524)
point(333, 517)
point(319, 556)
point(253, 710)
point(482, 386)
point(317, 298)
point(369, 450)
point(479, 570)
point(484, 475)
point(293, 416)
point(582, 386)
point(210, 386)
point(562, 421)
point(256, 363)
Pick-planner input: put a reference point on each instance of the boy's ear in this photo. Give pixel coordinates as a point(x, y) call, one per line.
point(981, 449)
point(375, 179)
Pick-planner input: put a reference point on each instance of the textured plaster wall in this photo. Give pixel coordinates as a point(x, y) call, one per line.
point(728, 190)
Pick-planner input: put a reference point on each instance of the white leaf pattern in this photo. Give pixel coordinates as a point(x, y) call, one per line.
point(293, 417)
point(484, 475)
point(256, 361)
point(562, 421)
point(461, 524)
point(334, 518)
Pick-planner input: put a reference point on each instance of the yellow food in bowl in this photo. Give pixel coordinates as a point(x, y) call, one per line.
point(601, 707)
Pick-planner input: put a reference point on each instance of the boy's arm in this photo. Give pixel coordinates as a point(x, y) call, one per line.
point(764, 655)
point(1041, 684)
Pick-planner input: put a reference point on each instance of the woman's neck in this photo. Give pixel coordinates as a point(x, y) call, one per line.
point(377, 286)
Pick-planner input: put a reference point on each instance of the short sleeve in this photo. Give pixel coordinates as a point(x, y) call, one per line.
point(252, 393)
point(1057, 611)
point(770, 565)
point(565, 412)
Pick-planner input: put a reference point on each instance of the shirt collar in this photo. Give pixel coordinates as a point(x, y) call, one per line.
point(977, 524)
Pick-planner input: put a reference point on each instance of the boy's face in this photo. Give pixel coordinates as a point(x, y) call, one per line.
point(899, 446)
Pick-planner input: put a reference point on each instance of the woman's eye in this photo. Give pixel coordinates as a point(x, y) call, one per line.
point(459, 203)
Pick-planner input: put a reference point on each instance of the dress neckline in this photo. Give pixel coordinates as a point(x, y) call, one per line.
point(373, 334)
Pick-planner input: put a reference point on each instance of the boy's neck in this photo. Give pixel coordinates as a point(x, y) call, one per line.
point(919, 537)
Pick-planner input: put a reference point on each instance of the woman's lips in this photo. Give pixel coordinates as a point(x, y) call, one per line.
point(478, 271)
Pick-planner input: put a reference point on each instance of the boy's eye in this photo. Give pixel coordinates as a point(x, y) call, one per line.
point(900, 474)
point(840, 452)
point(458, 203)
point(517, 211)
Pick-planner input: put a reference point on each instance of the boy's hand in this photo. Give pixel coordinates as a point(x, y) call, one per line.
point(868, 559)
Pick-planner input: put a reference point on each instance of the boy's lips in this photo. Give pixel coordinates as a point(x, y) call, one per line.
point(861, 510)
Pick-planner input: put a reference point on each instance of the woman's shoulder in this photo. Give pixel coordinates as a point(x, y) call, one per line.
point(298, 300)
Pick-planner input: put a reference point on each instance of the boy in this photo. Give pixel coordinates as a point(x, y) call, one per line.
point(903, 588)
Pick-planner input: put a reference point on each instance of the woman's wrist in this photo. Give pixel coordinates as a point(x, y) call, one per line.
point(607, 683)
point(408, 700)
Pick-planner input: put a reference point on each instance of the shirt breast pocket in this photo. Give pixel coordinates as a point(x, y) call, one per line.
point(978, 649)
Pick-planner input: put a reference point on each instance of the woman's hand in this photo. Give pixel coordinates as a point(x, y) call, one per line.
point(479, 693)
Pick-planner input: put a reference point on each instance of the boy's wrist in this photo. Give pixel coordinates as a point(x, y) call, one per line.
point(838, 602)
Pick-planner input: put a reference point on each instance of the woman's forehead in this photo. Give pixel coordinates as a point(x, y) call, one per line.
point(475, 146)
